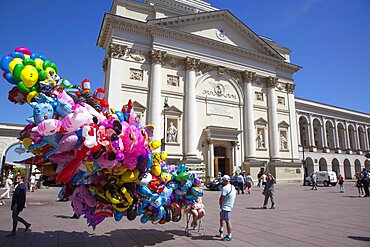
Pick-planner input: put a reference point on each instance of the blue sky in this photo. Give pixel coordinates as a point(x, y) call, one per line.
point(328, 38)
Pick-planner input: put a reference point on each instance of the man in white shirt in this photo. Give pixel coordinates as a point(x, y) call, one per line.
point(226, 201)
point(32, 182)
point(8, 184)
point(240, 180)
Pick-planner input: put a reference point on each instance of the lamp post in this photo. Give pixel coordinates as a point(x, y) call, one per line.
point(165, 107)
point(303, 158)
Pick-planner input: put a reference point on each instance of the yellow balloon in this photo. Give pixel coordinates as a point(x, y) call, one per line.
point(130, 176)
point(39, 63)
point(156, 169)
point(14, 62)
point(29, 76)
point(27, 142)
point(31, 95)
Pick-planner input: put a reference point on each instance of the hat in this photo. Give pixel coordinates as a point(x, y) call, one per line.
point(226, 177)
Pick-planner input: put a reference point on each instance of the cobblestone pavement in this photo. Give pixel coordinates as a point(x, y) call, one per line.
point(302, 218)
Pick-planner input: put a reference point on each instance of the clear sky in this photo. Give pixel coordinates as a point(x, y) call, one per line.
point(328, 38)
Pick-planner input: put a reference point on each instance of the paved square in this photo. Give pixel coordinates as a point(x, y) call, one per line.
point(302, 218)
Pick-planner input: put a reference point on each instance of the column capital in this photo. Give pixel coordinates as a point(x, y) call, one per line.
point(210, 141)
point(191, 63)
point(117, 51)
point(248, 76)
point(271, 81)
point(290, 87)
point(157, 56)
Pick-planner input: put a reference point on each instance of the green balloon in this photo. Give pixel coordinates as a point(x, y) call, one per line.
point(42, 75)
point(23, 88)
point(46, 64)
point(29, 61)
point(182, 176)
point(53, 65)
point(17, 72)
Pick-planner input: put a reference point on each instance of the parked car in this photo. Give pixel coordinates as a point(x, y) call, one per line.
point(323, 177)
point(216, 184)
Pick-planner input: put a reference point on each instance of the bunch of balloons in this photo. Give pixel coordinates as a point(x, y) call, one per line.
point(104, 158)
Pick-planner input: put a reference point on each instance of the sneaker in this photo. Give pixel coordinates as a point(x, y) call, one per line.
point(227, 238)
point(264, 207)
point(221, 233)
point(272, 207)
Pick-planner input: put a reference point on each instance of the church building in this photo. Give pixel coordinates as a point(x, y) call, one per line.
point(220, 95)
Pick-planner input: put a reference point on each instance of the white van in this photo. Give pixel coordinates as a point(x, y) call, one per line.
point(323, 177)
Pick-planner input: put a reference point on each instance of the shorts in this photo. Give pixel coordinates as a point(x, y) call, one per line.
point(225, 215)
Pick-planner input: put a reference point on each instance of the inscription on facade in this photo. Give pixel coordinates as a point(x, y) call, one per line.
point(220, 110)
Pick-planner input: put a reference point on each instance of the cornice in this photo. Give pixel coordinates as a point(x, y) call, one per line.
point(126, 24)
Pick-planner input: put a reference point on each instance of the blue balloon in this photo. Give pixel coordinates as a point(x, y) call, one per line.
point(34, 55)
point(8, 76)
point(144, 219)
point(4, 64)
point(17, 54)
point(118, 215)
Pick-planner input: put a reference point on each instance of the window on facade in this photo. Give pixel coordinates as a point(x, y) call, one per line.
point(220, 151)
point(173, 80)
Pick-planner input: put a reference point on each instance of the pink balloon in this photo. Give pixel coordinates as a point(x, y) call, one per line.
point(23, 50)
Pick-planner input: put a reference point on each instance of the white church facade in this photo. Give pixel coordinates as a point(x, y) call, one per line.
point(221, 96)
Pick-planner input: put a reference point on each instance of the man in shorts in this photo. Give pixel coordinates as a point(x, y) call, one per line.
point(226, 201)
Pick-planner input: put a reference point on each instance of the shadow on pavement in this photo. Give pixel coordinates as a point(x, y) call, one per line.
point(366, 239)
point(255, 208)
point(63, 217)
point(119, 237)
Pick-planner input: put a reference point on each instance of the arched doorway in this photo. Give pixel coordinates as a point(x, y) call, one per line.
point(367, 165)
point(222, 163)
point(347, 169)
point(323, 166)
point(335, 166)
point(309, 165)
point(357, 166)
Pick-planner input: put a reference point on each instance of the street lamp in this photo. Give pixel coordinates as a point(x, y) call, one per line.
point(301, 125)
point(165, 107)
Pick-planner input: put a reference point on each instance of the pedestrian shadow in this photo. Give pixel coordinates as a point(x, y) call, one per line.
point(123, 237)
point(255, 208)
point(64, 217)
point(365, 239)
point(353, 196)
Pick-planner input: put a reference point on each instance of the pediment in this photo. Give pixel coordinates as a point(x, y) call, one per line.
point(283, 124)
point(260, 121)
point(221, 26)
point(174, 111)
point(137, 106)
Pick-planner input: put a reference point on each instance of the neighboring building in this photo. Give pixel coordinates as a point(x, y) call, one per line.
point(333, 138)
point(230, 91)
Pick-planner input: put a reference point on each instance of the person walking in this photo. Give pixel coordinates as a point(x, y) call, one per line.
point(359, 184)
point(6, 194)
point(240, 180)
point(259, 179)
point(33, 182)
point(365, 181)
point(263, 179)
point(249, 182)
point(226, 201)
point(18, 203)
point(341, 183)
point(269, 191)
point(314, 181)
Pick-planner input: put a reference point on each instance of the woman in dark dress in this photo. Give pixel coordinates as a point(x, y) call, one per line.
point(359, 184)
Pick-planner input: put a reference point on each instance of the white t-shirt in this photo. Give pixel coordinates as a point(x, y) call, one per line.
point(32, 179)
point(240, 179)
point(8, 183)
point(229, 192)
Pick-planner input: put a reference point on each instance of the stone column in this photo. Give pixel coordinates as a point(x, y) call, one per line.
point(190, 113)
point(294, 130)
point(323, 131)
point(154, 115)
point(233, 156)
point(346, 138)
point(336, 138)
point(271, 83)
point(311, 132)
point(249, 130)
point(357, 138)
point(298, 130)
point(211, 161)
point(366, 139)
